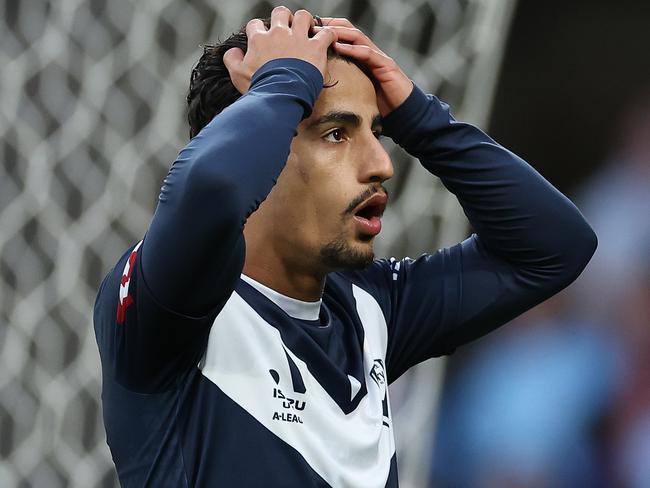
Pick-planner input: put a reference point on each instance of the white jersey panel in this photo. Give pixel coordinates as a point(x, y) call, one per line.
point(345, 450)
point(376, 338)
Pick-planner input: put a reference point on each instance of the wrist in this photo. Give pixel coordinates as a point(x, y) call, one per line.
point(398, 96)
point(291, 76)
point(399, 123)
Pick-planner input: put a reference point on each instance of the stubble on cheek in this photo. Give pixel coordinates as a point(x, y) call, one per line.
point(340, 254)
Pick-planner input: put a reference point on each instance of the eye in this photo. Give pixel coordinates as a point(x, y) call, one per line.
point(335, 136)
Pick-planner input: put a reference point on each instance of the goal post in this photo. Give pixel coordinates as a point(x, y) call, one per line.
point(92, 113)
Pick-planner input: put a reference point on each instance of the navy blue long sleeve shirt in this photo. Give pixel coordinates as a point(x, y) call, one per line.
point(210, 378)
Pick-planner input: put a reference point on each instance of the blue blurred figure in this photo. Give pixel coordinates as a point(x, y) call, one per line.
point(524, 407)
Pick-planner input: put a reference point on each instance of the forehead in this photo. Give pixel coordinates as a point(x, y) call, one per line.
point(352, 91)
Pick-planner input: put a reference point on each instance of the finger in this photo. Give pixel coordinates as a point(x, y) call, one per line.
point(336, 21)
point(280, 17)
point(302, 21)
point(254, 26)
point(233, 58)
point(326, 36)
point(365, 54)
point(352, 35)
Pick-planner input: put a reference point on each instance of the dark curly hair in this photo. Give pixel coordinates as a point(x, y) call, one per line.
point(211, 89)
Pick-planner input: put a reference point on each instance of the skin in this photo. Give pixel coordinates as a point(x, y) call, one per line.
point(330, 166)
point(306, 226)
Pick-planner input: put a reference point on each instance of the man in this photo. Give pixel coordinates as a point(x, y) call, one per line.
point(249, 339)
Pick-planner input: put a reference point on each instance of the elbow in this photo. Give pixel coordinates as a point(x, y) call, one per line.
point(562, 266)
point(585, 236)
point(588, 249)
point(590, 244)
point(575, 256)
point(584, 244)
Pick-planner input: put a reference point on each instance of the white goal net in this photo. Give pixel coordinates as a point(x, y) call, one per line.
point(92, 114)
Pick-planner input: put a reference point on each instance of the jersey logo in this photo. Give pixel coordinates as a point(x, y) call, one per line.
point(289, 405)
point(126, 300)
point(377, 372)
point(378, 375)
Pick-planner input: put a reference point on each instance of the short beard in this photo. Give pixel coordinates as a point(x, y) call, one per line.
point(339, 255)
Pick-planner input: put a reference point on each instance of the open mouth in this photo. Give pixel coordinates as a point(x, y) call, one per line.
point(368, 214)
point(371, 211)
point(373, 207)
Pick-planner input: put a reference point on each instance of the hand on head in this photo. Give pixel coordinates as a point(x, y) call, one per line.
point(287, 37)
point(393, 86)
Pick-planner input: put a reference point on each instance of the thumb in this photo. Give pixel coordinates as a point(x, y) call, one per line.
point(232, 59)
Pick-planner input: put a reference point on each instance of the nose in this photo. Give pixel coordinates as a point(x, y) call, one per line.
point(376, 164)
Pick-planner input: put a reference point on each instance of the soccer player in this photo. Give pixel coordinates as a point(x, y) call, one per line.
point(249, 338)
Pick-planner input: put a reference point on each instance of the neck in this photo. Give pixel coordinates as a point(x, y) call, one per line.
point(286, 280)
point(266, 262)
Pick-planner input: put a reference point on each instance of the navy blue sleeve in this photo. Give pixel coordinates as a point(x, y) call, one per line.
point(194, 249)
point(155, 308)
point(530, 241)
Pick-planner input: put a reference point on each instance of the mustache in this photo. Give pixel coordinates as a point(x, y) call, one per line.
point(362, 197)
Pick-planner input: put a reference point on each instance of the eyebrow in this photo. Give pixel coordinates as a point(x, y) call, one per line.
point(343, 117)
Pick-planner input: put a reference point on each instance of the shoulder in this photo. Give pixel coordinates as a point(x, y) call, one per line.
point(109, 290)
point(380, 277)
point(374, 277)
point(376, 280)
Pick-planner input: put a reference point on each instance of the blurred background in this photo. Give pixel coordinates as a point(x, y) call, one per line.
point(92, 114)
